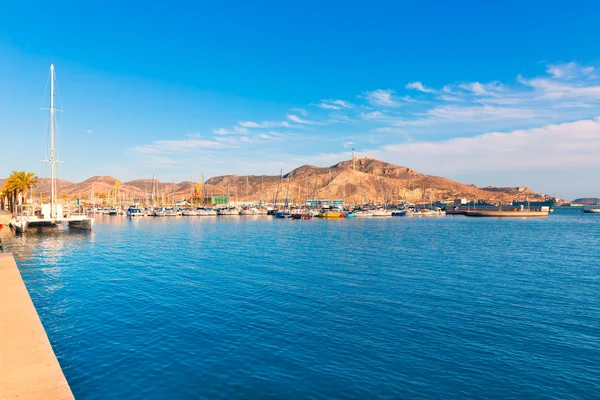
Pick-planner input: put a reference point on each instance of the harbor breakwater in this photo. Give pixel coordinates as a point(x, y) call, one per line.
point(29, 368)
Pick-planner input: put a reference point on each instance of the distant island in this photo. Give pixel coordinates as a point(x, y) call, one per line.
point(354, 181)
point(588, 201)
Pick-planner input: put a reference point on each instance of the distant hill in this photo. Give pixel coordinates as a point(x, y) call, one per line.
point(591, 201)
point(364, 180)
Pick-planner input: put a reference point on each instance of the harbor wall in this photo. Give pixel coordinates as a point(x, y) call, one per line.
point(29, 368)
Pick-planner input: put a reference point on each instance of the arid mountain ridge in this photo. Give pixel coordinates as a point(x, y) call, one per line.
point(368, 180)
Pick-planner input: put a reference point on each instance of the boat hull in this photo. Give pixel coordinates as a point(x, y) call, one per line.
point(507, 214)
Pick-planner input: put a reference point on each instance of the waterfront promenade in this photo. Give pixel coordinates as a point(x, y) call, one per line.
point(28, 367)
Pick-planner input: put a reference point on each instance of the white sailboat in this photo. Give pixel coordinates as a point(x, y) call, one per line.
point(51, 214)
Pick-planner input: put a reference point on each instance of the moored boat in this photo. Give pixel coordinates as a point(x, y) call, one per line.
point(330, 213)
point(282, 214)
point(380, 212)
point(134, 212)
point(206, 212)
point(591, 210)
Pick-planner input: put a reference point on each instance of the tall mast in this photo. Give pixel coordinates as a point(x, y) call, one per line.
point(152, 189)
point(52, 153)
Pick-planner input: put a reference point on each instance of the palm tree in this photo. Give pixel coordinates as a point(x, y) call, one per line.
point(26, 182)
point(19, 182)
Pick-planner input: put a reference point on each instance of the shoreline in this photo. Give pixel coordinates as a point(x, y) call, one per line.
point(29, 368)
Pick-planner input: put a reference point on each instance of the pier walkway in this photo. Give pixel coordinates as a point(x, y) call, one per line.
point(28, 367)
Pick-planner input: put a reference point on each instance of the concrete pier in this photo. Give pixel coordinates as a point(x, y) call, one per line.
point(29, 369)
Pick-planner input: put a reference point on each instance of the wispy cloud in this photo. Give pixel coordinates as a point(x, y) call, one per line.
point(381, 97)
point(552, 89)
point(235, 130)
point(445, 97)
point(298, 120)
point(569, 70)
point(334, 104)
point(372, 115)
point(176, 146)
point(420, 87)
point(300, 111)
point(348, 144)
point(339, 117)
point(481, 89)
point(264, 124)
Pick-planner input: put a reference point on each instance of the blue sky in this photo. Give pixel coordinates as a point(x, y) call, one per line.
point(491, 94)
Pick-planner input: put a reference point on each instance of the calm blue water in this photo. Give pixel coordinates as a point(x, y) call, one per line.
point(250, 307)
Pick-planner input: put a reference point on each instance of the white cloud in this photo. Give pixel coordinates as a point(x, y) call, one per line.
point(481, 89)
point(569, 71)
point(348, 144)
point(176, 146)
point(372, 115)
point(342, 103)
point(339, 117)
point(419, 86)
point(329, 106)
point(250, 124)
point(88, 131)
point(236, 130)
point(446, 97)
point(552, 89)
point(573, 144)
point(264, 124)
point(381, 97)
point(447, 114)
point(297, 119)
point(301, 111)
point(334, 104)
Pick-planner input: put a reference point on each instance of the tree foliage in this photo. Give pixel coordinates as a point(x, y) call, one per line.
point(18, 183)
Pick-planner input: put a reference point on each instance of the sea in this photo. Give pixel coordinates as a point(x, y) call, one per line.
point(244, 307)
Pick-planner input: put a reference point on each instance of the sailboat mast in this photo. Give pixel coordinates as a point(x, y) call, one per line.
point(52, 150)
point(152, 189)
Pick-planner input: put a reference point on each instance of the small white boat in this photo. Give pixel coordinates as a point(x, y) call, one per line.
point(363, 214)
point(190, 213)
point(171, 212)
point(160, 212)
point(249, 211)
point(134, 212)
point(228, 211)
point(380, 212)
point(206, 212)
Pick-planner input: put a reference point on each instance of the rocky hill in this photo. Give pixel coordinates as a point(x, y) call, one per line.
point(364, 180)
point(591, 201)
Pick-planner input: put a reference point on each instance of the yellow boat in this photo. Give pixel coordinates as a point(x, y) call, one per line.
point(330, 213)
